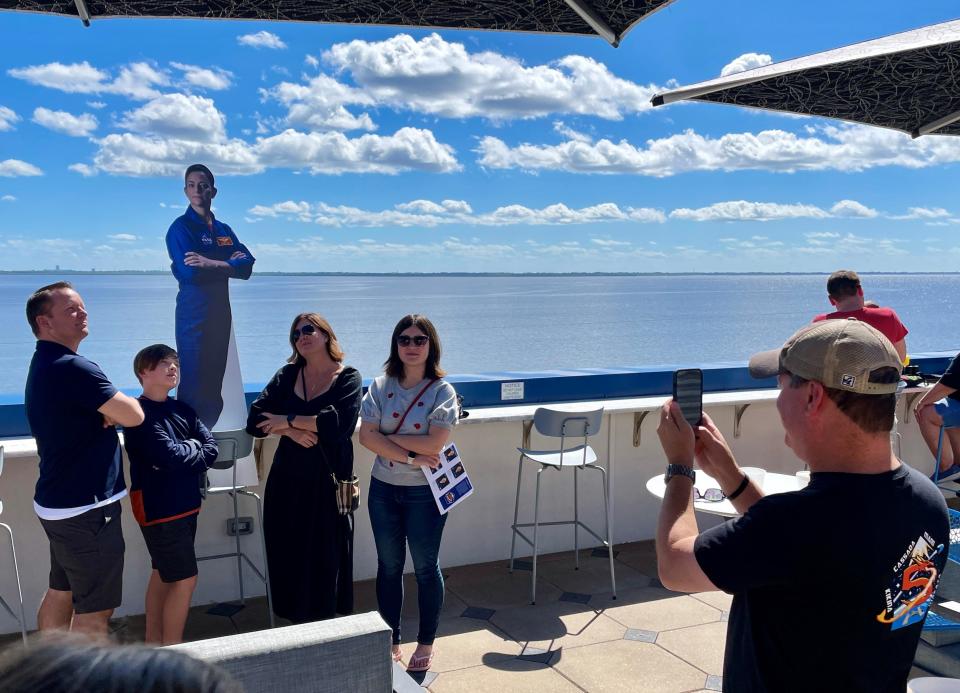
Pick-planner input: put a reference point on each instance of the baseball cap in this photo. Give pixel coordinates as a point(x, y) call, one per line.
point(841, 354)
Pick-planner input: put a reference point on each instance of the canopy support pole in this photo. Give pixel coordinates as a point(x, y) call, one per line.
point(82, 11)
point(590, 16)
point(931, 128)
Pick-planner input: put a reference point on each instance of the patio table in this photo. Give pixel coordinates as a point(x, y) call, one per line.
point(770, 482)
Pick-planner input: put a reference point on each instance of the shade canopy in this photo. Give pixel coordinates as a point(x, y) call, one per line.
point(610, 19)
point(908, 82)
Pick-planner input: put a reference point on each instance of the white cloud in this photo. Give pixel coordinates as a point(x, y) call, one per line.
point(135, 80)
point(840, 148)
point(84, 170)
point(129, 154)
point(66, 123)
point(178, 116)
point(429, 214)
point(311, 61)
point(852, 208)
point(443, 78)
point(96, 105)
point(123, 237)
point(319, 104)
point(924, 213)
point(261, 39)
point(215, 79)
point(8, 198)
point(13, 168)
point(7, 118)
point(747, 61)
point(741, 210)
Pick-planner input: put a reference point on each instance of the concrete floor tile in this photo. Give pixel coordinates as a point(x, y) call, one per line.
point(627, 666)
point(494, 587)
point(701, 646)
point(718, 600)
point(659, 610)
point(463, 643)
point(558, 624)
point(515, 676)
point(593, 575)
point(639, 555)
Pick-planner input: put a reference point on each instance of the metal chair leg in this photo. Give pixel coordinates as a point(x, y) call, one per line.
point(536, 524)
point(576, 521)
point(16, 572)
point(936, 470)
point(263, 548)
point(606, 514)
point(516, 511)
point(236, 527)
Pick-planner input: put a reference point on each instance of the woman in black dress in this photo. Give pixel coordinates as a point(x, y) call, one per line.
point(312, 403)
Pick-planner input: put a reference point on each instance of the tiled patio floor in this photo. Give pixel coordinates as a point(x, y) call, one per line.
point(576, 637)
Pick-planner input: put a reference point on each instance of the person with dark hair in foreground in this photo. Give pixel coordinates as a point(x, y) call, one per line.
point(831, 584)
point(73, 410)
point(72, 665)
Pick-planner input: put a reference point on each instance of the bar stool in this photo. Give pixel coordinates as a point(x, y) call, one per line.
point(16, 572)
point(564, 425)
point(235, 445)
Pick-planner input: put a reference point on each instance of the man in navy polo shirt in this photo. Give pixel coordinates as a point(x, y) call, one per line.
point(72, 409)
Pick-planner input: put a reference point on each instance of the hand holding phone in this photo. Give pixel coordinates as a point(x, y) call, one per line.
point(688, 394)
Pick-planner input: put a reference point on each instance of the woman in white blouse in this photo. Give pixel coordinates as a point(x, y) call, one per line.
point(406, 418)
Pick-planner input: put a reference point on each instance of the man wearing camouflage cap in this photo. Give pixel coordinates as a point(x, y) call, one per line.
point(831, 583)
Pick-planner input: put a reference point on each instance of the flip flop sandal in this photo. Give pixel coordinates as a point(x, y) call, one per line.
point(420, 663)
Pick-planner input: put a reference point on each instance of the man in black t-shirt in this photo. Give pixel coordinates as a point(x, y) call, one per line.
point(72, 409)
point(831, 583)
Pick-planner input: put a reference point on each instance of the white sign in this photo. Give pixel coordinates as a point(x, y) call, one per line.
point(511, 390)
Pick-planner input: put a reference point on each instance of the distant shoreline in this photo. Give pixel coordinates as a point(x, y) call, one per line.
point(68, 272)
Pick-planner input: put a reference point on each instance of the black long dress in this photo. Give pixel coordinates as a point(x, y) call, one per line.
point(309, 544)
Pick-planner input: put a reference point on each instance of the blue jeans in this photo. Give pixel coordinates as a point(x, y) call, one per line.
point(401, 515)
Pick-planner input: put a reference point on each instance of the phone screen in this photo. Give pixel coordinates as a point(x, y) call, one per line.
point(688, 393)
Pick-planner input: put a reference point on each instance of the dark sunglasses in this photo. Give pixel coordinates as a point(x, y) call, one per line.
point(306, 329)
point(405, 340)
point(711, 495)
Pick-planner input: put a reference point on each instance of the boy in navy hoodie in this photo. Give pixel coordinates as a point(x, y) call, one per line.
point(169, 456)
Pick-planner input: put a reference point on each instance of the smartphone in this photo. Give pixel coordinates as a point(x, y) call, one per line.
point(688, 393)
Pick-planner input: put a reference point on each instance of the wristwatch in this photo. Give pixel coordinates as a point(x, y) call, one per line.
point(678, 470)
point(290, 418)
point(411, 456)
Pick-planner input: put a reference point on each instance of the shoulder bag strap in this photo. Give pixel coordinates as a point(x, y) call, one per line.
point(412, 402)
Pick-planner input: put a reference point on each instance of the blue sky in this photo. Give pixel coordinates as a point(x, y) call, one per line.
point(344, 148)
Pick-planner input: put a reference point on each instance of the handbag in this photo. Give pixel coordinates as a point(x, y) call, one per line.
point(347, 491)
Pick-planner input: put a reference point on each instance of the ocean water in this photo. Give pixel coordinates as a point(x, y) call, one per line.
point(486, 324)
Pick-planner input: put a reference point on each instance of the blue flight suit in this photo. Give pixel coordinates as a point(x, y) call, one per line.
point(203, 317)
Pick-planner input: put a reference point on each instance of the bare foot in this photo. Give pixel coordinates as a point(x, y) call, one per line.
point(397, 654)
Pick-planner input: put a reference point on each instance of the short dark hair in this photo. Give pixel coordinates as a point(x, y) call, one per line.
point(39, 303)
point(871, 413)
point(320, 322)
point(194, 168)
point(148, 358)
point(843, 283)
point(62, 664)
point(393, 366)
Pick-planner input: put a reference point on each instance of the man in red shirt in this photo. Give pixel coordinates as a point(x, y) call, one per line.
point(846, 295)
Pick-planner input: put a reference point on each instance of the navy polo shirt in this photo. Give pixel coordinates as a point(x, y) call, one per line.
point(80, 462)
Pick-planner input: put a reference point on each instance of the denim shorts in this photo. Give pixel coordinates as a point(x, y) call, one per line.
point(949, 410)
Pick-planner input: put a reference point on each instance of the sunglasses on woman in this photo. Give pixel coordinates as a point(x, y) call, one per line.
point(711, 495)
point(306, 329)
point(406, 340)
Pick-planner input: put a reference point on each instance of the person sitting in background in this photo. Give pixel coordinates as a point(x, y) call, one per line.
point(831, 584)
point(940, 405)
point(73, 409)
point(169, 453)
point(312, 403)
point(846, 294)
point(68, 665)
point(406, 418)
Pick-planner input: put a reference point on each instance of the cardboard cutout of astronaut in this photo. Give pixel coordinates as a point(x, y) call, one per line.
point(205, 254)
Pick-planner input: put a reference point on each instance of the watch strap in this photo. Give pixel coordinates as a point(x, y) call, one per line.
point(679, 470)
point(741, 488)
point(411, 456)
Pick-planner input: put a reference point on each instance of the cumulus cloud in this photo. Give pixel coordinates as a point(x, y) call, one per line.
point(84, 170)
point(741, 210)
point(215, 79)
point(429, 214)
point(7, 118)
point(178, 116)
point(747, 61)
point(96, 105)
point(14, 168)
point(320, 104)
point(123, 237)
point(66, 123)
point(8, 198)
point(925, 213)
point(839, 148)
point(136, 80)
point(262, 39)
point(852, 208)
